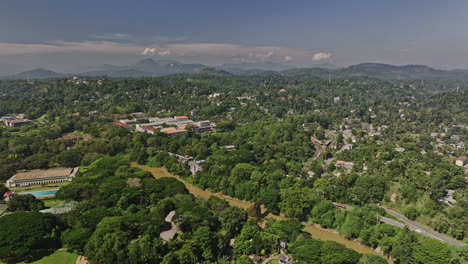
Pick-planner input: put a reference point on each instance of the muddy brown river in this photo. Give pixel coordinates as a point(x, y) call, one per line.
point(314, 230)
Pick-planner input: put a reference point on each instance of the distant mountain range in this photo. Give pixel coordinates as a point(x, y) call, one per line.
point(152, 68)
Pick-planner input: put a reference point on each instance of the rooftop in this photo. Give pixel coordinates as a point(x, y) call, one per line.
point(173, 130)
point(20, 121)
point(121, 125)
point(8, 194)
point(42, 173)
point(150, 128)
point(340, 162)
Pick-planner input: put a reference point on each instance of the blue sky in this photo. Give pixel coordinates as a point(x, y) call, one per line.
point(74, 35)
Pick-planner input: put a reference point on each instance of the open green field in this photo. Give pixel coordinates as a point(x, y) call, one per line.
point(58, 257)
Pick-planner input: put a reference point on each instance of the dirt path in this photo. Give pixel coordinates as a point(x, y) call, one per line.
point(81, 260)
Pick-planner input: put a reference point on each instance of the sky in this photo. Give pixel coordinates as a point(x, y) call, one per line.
point(74, 36)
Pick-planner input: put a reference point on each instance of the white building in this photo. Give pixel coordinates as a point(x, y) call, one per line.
point(37, 177)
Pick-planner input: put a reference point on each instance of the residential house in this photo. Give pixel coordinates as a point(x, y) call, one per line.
point(461, 161)
point(348, 166)
point(195, 166)
point(6, 118)
point(448, 198)
point(285, 260)
point(17, 122)
point(229, 148)
point(399, 149)
point(171, 233)
point(8, 195)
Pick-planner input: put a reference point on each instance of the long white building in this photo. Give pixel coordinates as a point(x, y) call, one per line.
point(36, 177)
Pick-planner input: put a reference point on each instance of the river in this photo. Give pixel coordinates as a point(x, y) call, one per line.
point(314, 230)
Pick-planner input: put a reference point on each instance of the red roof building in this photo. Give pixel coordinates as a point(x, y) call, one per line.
point(119, 124)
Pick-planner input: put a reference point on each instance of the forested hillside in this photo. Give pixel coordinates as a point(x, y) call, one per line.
point(294, 145)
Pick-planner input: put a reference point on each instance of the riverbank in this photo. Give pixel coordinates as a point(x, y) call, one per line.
point(316, 231)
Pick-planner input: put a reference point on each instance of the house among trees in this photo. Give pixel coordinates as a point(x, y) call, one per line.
point(8, 195)
point(171, 233)
point(283, 245)
point(17, 122)
point(229, 148)
point(6, 118)
point(285, 260)
point(36, 177)
point(348, 166)
point(461, 161)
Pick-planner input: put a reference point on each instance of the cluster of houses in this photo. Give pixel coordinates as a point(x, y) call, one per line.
point(78, 80)
point(455, 141)
point(176, 125)
point(195, 165)
point(15, 120)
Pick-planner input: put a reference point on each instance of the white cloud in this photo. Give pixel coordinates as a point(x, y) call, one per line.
point(320, 56)
point(148, 52)
point(264, 56)
point(188, 52)
point(164, 53)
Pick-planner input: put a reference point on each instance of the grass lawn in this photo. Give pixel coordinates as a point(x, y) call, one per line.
point(58, 257)
point(34, 188)
point(275, 261)
point(51, 202)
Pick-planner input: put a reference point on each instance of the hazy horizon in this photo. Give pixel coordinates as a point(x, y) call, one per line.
point(78, 37)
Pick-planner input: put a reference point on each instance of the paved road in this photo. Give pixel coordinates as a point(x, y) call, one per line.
point(317, 154)
point(270, 259)
point(418, 228)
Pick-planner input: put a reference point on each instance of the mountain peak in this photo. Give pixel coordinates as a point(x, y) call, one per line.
point(148, 61)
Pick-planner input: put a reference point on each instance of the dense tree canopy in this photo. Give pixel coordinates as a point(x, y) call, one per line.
point(27, 236)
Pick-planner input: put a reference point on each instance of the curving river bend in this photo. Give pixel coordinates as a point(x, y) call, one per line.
point(314, 230)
